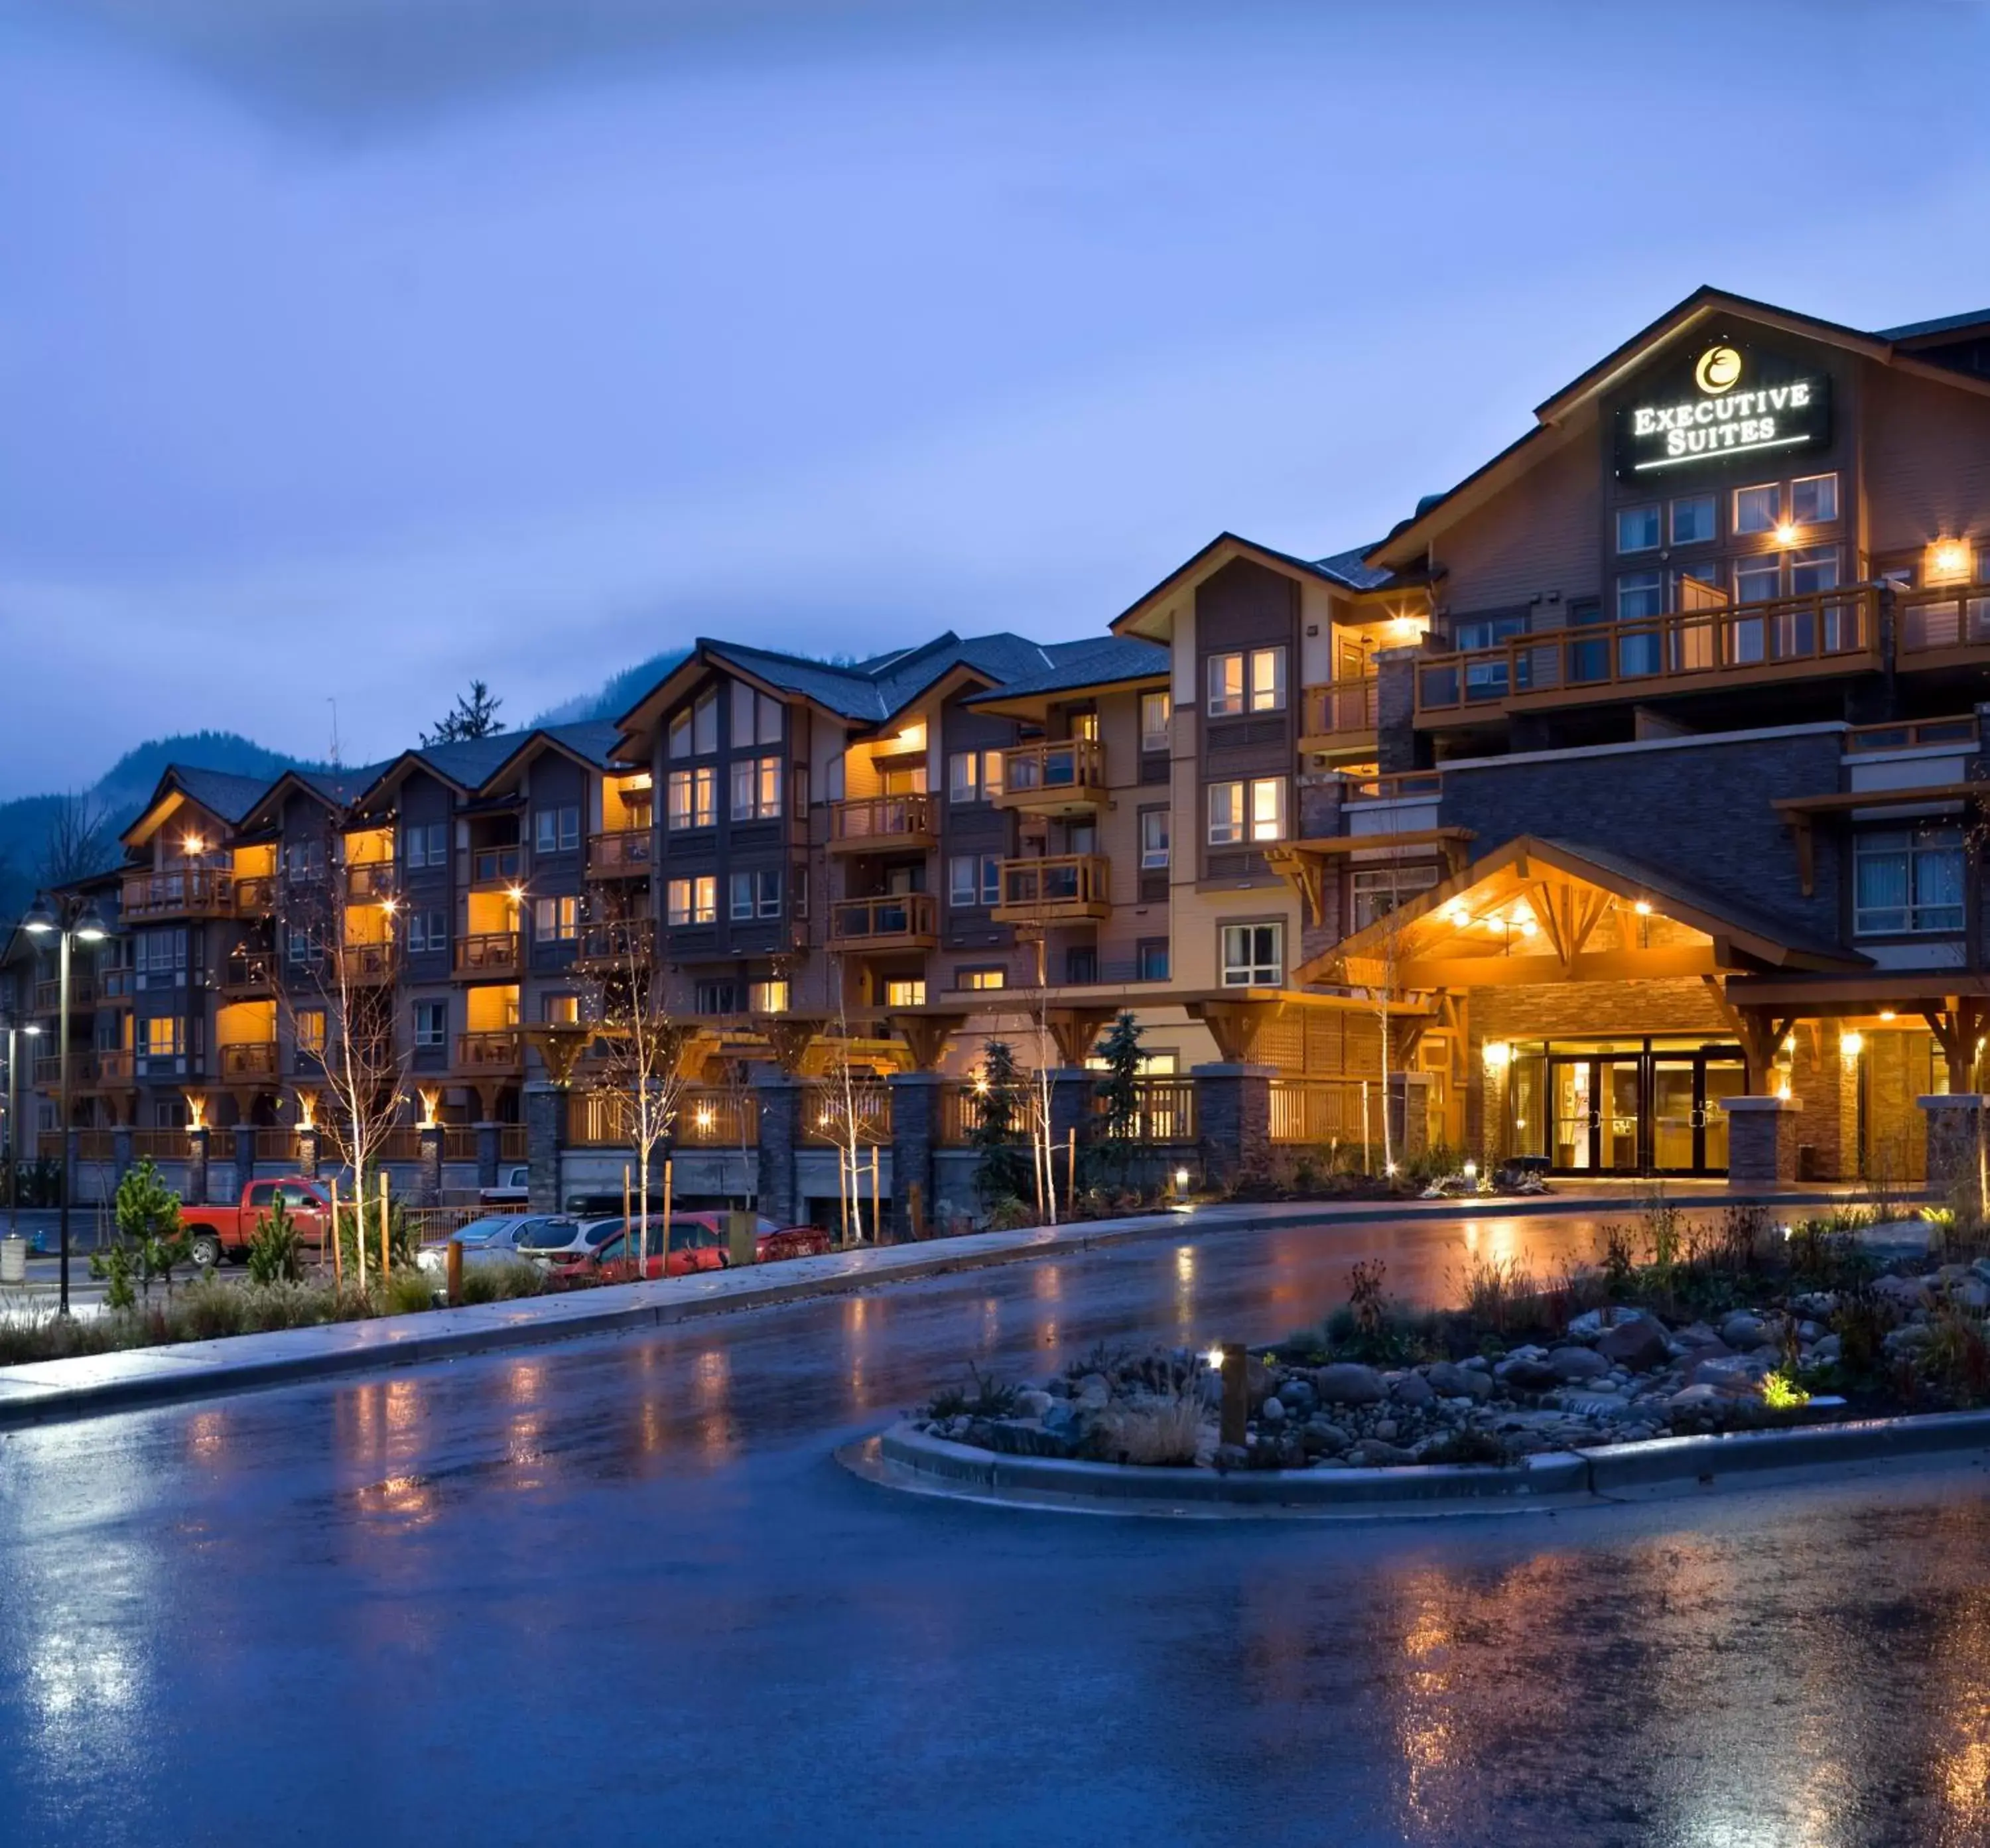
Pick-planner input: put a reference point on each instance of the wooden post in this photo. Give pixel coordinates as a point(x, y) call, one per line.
point(453, 1264)
point(386, 1257)
point(842, 1194)
point(1070, 1168)
point(1236, 1393)
point(915, 1213)
point(338, 1256)
point(640, 1252)
point(1366, 1167)
point(359, 1228)
point(665, 1267)
point(877, 1214)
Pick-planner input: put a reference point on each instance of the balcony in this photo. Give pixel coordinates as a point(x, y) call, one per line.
point(1054, 888)
point(248, 975)
point(195, 893)
point(501, 1051)
point(1340, 716)
point(117, 984)
point(368, 965)
point(82, 1068)
point(626, 941)
point(248, 1059)
point(901, 921)
point(499, 866)
point(81, 994)
point(1066, 778)
point(114, 1066)
point(1944, 627)
point(488, 957)
point(1834, 632)
point(624, 854)
point(256, 897)
point(871, 824)
point(369, 879)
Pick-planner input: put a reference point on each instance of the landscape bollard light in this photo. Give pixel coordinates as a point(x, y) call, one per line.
point(452, 1265)
point(1235, 1365)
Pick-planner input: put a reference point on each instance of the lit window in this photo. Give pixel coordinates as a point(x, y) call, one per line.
point(705, 796)
point(556, 920)
point(1226, 813)
point(1814, 499)
point(1267, 680)
point(1156, 713)
point(991, 775)
point(704, 899)
point(756, 789)
point(1637, 528)
point(963, 777)
point(1267, 809)
point(677, 907)
point(560, 1009)
point(981, 979)
point(769, 786)
point(1253, 955)
point(1154, 823)
point(164, 1037)
point(769, 996)
point(906, 991)
point(677, 811)
point(1693, 520)
point(1908, 880)
point(311, 1029)
point(1758, 509)
point(1226, 684)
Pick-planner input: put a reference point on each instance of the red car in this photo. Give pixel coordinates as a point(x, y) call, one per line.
point(696, 1241)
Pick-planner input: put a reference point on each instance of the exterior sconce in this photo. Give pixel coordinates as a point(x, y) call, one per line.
point(1497, 1054)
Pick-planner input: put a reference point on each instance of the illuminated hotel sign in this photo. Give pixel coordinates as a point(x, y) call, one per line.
point(1729, 402)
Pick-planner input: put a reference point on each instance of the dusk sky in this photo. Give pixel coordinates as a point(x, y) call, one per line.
point(351, 347)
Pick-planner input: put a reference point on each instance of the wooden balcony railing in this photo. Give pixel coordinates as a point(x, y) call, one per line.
point(623, 854)
point(255, 897)
point(370, 879)
point(904, 919)
point(625, 941)
point(82, 1068)
point(196, 893)
point(114, 1066)
point(1944, 620)
point(511, 1142)
point(489, 954)
point(1057, 885)
point(249, 1058)
point(1069, 773)
point(1913, 733)
point(712, 1118)
point(248, 973)
point(1322, 1110)
point(368, 965)
point(1164, 1110)
point(497, 865)
point(868, 823)
point(81, 994)
point(503, 1051)
point(1346, 711)
point(1401, 786)
point(1830, 632)
point(827, 1111)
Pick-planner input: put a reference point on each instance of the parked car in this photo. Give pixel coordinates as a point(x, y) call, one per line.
point(566, 1239)
point(696, 1241)
point(223, 1229)
point(493, 1239)
point(514, 1183)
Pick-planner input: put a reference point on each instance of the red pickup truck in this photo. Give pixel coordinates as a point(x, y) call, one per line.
point(223, 1231)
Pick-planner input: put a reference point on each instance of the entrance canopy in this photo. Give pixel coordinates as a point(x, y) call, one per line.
point(1543, 910)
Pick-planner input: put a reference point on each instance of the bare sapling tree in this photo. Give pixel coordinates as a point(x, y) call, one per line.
point(639, 1072)
point(78, 842)
point(848, 1106)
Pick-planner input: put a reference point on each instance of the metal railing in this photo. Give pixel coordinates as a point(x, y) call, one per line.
point(491, 953)
point(1344, 707)
point(1048, 768)
point(881, 819)
point(1321, 1109)
point(1836, 630)
point(896, 917)
point(623, 853)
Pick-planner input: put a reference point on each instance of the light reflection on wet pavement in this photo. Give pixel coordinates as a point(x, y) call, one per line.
point(615, 1588)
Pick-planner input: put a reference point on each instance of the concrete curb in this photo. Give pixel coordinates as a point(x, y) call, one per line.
point(45, 1391)
point(907, 1459)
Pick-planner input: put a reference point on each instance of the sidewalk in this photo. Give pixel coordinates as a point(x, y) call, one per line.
point(45, 1391)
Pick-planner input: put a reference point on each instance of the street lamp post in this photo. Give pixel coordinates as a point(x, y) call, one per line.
point(77, 923)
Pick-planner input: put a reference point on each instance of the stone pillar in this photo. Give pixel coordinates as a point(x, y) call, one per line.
point(1233, 1110)
point(1491, 1079)
point(428, 1164)
point(545, 1136)
point(915, 1106)
point(1761, 1140)
point(196, 1174)
point(779, 1099)
point(1826, 1083)
point(307, 1135)
point(1072, 1089)
point(490, 1145)
point(1954, 1123)
point(120, 1150)
point(1409, 1112)
point(1396, 709)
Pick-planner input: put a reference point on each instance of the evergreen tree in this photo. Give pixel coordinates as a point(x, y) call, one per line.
point(1119, 1088)
point(1003, 1173)
point(474, 717)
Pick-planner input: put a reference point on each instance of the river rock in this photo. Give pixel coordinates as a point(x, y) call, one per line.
point(1273, 1410)
point(1348, 1382)
point(1413, 1389)
point(1093, 1393)
point(1033, 1404)
point(1577, 1363)
point(1639, 1345)
point(1298, 1396)
point(1322, 1437)
point(1024, 1437)
point(1696, 1335)
point(1733, 1374)
point(1697, 1399)
point(1374, 1453)
point(1452, 1382)
point(1742, 1331)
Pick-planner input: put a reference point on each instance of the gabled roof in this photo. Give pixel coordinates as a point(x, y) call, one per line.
point(1110, 661)
point(466, 764)
point(225, 795)
point(1558, 416)
point(1945, 323)
point(1344, 570)
point(589, 742)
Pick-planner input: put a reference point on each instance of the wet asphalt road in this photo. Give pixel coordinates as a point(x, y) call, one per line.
point(616, 1591)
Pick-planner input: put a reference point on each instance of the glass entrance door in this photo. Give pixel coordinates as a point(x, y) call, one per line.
point(1598, 1110)
point(1689, 1127)
point(1719, 1077)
